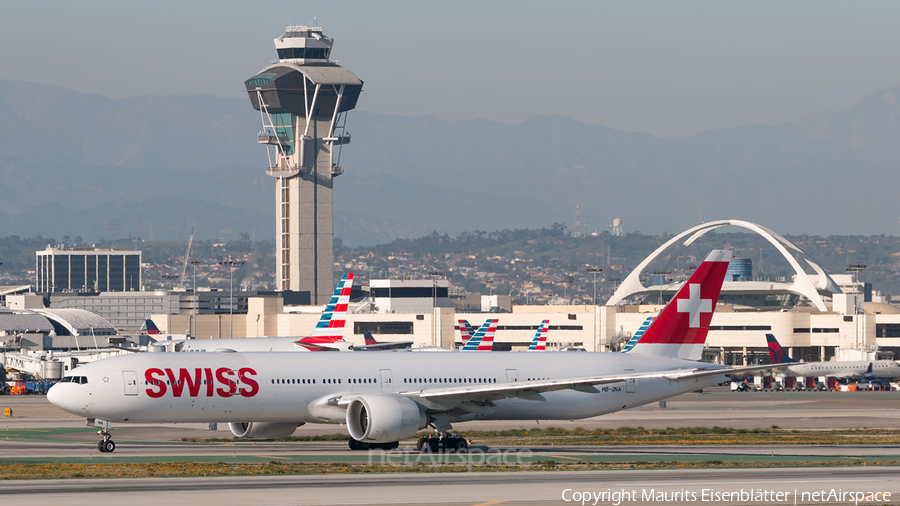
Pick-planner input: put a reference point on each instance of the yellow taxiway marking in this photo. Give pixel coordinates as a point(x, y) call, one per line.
point(488, 503)
point(561, 457)
point(271, 457)
point(857, 458)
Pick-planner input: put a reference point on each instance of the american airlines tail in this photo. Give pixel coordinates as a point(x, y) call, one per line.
point(539, 343)
point(330, 328)
point(637, 335)
point(465, 330)
point(680, 329)
point(777, 354)
point(483, 338)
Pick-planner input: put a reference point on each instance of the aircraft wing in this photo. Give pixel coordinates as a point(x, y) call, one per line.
point(396, 345)
point(532, 390)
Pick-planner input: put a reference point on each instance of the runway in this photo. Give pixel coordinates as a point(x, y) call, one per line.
point(676, 486)
point(338, 452)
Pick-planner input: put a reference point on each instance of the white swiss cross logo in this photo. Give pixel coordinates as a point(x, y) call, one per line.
point(694, 305)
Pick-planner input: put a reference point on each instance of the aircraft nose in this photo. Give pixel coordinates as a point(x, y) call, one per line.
point(58, 396)
point(54, 395)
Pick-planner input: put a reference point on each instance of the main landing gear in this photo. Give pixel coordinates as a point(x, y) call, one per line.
point(362, 445)
point(441, 442)
point(107, 445)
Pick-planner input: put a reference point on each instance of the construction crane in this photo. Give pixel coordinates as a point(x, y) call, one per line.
point(187, 256)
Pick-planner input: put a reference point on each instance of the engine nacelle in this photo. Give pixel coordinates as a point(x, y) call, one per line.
point(384, 418)
point(263, 430)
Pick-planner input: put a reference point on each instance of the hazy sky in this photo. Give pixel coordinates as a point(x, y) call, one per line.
point(666, 68)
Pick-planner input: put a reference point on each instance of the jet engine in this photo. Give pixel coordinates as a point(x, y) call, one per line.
point(263, 430)
point(384, 418)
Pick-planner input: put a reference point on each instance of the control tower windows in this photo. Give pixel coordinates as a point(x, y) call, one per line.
point(319, 53)
point(284, 128)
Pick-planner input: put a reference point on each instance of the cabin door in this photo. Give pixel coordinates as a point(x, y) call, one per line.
point(130, 378)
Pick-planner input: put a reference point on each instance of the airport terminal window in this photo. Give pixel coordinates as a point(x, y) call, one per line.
point(887, 330)
point(801, 330)
point(410, 292)
point(825, 330)
point(383, 327)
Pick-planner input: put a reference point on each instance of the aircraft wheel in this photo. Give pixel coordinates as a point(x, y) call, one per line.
point(354, 444)
point(394, 445)
point(420, 444)
point(433, 445)
point(461, 443)
point(101, 447)
point(108, 445)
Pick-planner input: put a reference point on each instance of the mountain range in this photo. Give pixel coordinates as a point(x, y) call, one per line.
point(84, 165)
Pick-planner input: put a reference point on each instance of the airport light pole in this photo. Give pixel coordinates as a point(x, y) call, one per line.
point(662, 279)
point(170, 276)
point(434, 313)
point(194, 264)
point(856, 269)
point(594, 271)
point(232, 264)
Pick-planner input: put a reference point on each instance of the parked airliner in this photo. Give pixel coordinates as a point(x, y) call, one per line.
point(327, 336)
point(383, 401)
point(859, 369)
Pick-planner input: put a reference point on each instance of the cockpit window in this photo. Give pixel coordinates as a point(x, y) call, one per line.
point(81, 380)
point(67, 379)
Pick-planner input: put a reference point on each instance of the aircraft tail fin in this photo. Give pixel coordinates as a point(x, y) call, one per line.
point(681, 328)
point(330, 328)
point(539, 343)
point(483, 338)
point(465, 330)
point(777, 354)
point(149, 327)
point(369, 339)
point(637, 335)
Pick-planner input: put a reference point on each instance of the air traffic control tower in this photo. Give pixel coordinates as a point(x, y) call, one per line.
point(303, 101)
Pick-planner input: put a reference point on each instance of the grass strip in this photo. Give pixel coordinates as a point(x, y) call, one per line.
point(641, 436)
point(193, 469)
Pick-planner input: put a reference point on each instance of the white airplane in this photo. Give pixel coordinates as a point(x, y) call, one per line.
point(327, 336)
point(266, 395)
point(883, 369)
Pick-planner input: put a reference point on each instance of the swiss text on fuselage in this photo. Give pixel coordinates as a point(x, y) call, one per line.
point(201, 382)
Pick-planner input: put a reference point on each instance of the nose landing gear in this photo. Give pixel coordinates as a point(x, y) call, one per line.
point(107, 445)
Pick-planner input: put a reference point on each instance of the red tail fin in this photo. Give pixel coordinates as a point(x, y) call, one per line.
point(680, 329)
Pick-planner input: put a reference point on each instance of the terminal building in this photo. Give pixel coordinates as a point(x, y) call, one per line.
point(63, 269)
point(812, 314)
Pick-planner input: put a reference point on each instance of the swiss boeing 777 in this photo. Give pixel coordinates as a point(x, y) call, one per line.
point(383, 401)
